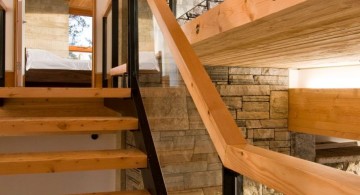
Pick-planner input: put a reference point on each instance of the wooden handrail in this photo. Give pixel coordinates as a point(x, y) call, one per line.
point(108, 8)
point(80, 49)
point(119, 70)
point(279, 171)
point(3, 6)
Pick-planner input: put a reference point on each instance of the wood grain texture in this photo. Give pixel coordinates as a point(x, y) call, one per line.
point(81, 7)
point(24, 126)
point(138, 192)
point(9, 79)
point(216, 117)
point(19, 92)
point(329, 112)
point(284, 173)
point(284, 33)
point(53, 162)
point(80, 49)
point(288, 174)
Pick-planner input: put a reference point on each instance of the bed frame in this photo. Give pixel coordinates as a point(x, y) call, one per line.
point(57, 78)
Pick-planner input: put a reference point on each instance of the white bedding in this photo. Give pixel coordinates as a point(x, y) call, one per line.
point(148, 61)
point(41, 59)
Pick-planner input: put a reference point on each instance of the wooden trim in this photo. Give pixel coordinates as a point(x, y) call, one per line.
point(9, 79)
point(279, 171)
point(53, 162)
point(329, 112)
point(80, 49)
point(22, 92)
point(3, 6)
point(108, 8)
point(119, 70)
point(25, 126)
point(288, 174)
point(80, 12)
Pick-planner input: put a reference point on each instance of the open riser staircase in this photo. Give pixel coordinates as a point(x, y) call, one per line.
point(70, 111)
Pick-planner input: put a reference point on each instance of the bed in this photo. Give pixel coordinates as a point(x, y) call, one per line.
point(45, 69)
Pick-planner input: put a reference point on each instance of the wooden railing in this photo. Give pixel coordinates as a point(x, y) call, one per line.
point(281, 172)
point(80, 49)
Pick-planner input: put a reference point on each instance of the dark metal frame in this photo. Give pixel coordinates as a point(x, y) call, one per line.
point(104, 51)
point(115, 39)
point(152, 176)
point(232, 182)
point(2, 50)
point(172, 5)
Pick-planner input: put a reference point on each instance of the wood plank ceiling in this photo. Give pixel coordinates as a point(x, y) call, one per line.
point(81, 7)
point(282, 33)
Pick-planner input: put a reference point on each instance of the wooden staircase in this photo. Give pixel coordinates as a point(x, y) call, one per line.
point(67, 111)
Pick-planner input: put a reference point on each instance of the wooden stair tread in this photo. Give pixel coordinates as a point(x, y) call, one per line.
point(25, 92)
point(52, 162)
point(17, 126)
point(137, 192)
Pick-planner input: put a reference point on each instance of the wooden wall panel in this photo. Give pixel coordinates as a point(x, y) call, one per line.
point(329, 112)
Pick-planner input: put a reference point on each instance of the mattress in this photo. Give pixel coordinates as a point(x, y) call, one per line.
point(41, 59)
point(148, 61)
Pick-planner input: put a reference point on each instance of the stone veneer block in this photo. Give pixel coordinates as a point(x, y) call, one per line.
point(233, 102)
point(203, 179)
point(256, 106)
point(244, 71)
point(275, 71)
point(282, 135)
point(263, 134)
point(253, 124)
point(274, 123)
point(256, 98)
point(239, 90)
point(279, 105)
point(218, 74)
point(177, 156)
point(241, 79)
point(203, 145)
point(185, 167)
point(252, 115)
point(272, 80)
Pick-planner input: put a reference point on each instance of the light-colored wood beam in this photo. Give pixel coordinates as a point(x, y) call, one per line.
point(19, 92)
point(288, 174)
point(54, 162)
point(283, 34)
point(216, 117)
point(119, 70)
point(24, 126)
point(279, 171)
point(80, 49)
point(108, 8)
point(329, 112)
